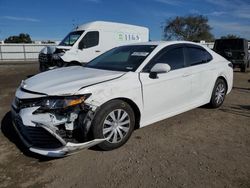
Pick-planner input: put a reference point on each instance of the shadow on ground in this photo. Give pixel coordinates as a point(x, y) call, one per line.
point(9, 132)
point(242, 110)
point(242, 89)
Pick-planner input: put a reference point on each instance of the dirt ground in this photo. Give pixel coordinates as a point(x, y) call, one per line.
point(200, 148)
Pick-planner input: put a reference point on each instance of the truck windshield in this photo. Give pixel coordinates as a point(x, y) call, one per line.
point(228, 44)
point(125, 58)
point(71, 38)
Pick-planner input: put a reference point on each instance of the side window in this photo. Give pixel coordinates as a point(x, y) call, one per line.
point(173, 57)
point(196, 56)
point(91, 39)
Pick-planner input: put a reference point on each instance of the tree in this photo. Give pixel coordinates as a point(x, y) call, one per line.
point(192, 28)
point(21, 38)
point(230, 36)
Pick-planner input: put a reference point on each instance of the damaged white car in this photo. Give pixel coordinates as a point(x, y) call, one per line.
point(61, 111)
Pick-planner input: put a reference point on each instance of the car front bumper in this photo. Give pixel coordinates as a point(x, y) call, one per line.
point(43, 139)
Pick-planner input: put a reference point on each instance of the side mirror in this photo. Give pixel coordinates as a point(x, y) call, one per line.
point(159, 68)
point(80, 45)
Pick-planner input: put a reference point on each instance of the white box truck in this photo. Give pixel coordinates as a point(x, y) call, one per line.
point(88, 41)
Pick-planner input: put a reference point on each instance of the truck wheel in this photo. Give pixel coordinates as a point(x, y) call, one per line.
point(243, 67)
point(43, 67)
point(219, 94)
point(115, 122)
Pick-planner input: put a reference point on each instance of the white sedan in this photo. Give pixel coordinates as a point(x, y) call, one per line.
point(129, 87)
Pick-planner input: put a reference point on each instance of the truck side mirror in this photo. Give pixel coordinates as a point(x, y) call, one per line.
point(81, 45)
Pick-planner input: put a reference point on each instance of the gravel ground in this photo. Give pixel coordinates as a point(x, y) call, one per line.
point(200, 148)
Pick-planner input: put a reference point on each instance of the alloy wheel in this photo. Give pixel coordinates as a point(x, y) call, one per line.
point(220, 93)
point(116, 125)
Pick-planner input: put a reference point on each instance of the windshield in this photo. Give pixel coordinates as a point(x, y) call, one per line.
point(125, 58)
point(229, 44)
point(71, 38)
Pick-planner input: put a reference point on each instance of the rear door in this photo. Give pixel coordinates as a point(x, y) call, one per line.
point(200, 64)
point(169, 92)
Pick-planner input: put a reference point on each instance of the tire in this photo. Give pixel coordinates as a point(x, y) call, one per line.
point(42, 67)
point(219, 94)
point(105, 124)
point(243, 67)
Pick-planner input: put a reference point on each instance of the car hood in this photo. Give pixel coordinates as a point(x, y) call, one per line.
point(68, 80)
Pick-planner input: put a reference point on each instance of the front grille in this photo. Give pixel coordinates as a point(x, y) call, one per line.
point(44, 58)
point(37, 136)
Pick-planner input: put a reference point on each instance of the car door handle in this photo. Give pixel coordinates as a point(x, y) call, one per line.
point(97, 51)
point(186, 74)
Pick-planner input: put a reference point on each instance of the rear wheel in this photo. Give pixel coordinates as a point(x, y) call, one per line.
point(243, 67)
point(219, 94)
point(115, 122)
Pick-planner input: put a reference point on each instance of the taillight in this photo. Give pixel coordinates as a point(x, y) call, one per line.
point(231, 65)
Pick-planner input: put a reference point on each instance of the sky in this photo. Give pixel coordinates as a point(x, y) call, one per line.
point(53, 19)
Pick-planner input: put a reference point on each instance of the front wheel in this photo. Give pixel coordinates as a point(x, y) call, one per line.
point(43, 67)
point(219, 93)
point(115, 122)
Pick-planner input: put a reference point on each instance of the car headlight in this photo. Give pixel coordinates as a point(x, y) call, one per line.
point(53, 103)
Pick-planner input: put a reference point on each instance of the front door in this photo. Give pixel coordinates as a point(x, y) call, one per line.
point(89, 47)
point(169, 92)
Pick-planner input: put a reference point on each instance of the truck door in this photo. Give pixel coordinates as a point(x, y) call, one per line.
point(89, 47)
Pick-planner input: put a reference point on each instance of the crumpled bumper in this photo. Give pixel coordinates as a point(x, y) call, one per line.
point(44, 141)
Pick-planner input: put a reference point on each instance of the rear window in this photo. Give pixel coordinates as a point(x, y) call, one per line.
point(232, 44)
point(196, 56)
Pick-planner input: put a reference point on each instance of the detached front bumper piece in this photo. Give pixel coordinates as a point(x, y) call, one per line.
point(45, 141)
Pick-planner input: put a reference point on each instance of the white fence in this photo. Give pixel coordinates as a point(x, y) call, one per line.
point(21, 52)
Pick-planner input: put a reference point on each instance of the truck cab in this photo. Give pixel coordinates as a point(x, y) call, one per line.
point(86, 42)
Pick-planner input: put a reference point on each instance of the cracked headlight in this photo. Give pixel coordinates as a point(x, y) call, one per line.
point(62, 102)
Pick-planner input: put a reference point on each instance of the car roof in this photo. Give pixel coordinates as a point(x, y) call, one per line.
point(165, 43)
